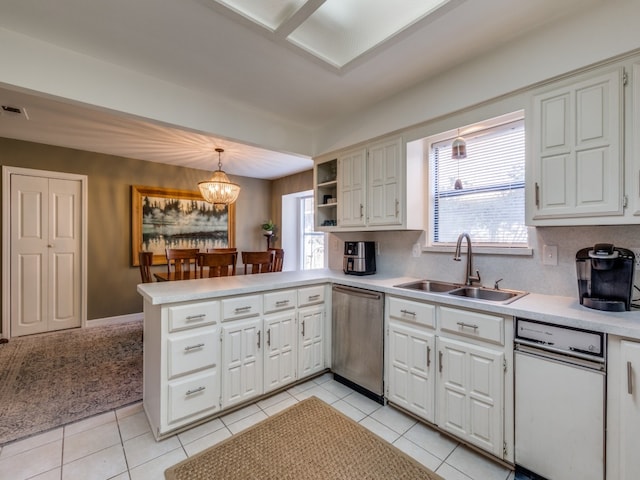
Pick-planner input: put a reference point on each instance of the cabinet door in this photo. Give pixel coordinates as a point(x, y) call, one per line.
point(242, 362)
point(384, 183)
point(410, 366)
point(351, 180)
point(281, 353)
point(470, 393)
point(577, 149)
point(311, 345)
point(629, 410)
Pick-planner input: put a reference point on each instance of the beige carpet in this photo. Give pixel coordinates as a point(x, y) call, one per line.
point(52, 379)
point(311, 441)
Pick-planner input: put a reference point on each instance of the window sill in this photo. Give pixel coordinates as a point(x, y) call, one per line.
point(480, 250)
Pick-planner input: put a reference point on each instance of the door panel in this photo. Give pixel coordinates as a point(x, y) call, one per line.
point(29, 255)
point(64, 256)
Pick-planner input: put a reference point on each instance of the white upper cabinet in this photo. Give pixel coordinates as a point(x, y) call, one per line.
point(378, 188)
point(384, 181)
point(352, 177)
point(575, 135)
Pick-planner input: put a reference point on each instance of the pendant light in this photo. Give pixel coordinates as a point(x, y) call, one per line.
point(219, 190)
point(458, 152)
point(459, 148)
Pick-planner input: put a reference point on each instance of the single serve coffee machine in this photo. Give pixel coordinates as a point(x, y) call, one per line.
point(359, 258)
point(605, 277)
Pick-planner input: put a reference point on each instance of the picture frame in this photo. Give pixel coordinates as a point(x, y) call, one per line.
point(170, 218)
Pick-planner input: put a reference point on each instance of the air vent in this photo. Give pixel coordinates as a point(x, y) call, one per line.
point(14, 112)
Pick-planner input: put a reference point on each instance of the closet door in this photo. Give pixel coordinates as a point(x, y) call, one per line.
point(45, 254)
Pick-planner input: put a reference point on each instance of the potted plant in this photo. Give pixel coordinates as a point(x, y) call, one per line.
point(268, 227)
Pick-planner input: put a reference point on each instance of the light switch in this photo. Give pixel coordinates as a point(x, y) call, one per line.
point(549, 255)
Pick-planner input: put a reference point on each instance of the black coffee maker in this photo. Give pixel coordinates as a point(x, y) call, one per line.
point(605, 277)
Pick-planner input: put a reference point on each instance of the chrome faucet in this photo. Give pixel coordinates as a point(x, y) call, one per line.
point(469, 277)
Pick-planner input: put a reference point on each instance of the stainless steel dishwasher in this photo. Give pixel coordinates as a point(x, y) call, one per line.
point(357, 340)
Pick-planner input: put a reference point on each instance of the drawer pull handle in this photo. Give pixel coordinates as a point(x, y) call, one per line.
point(193, 347)
point(281, 303)
point(407, 312)
point(629, 378)
point(196, 317)
point(313, 297)
point(468, 325)
point(243, 309)
point(268, 337)
point(428, 356)
point(197, 390)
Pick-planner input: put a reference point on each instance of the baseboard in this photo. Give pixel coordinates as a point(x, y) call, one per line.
point(102, 322)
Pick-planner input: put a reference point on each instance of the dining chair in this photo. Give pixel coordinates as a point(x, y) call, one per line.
point(278, 259)
point(145, 259)
point(182, 259)
point(257, 262)
point(212, 264)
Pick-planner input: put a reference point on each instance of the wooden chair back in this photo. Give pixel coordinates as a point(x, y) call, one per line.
point(182, 259)
point(213, 264)
point(145, 259)
point(257, 262)
point(278, 259)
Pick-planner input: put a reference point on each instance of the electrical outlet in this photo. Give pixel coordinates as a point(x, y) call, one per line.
point(549, 255)
point(416, 250)
point(636, 251)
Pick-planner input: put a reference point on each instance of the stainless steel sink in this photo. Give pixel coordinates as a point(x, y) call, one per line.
point(457, 289)
point(488, 294)
point(430, 286)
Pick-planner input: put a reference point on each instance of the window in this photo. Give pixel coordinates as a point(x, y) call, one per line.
point(312, 242)
point(484, 193)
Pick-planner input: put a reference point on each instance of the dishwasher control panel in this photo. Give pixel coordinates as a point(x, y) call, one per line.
point(570, 341)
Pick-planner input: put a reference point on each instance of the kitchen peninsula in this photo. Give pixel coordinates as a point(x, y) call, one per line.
point(204, 342)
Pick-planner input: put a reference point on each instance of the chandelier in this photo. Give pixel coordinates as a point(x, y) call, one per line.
point(218, 189)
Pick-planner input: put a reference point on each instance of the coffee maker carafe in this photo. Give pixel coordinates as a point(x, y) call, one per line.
point(605, 277)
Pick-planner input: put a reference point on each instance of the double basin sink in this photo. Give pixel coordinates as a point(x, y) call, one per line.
point(476, 293)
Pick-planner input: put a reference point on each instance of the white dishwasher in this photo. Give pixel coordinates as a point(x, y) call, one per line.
point(559, 402)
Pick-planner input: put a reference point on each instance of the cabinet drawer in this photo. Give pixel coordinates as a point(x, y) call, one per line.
point(473, 324)
point(241, 307)
point(414, 312)
point(310, 295)
point(193, 315)
point(277, 301)
point(192, 395)
point(196, 351)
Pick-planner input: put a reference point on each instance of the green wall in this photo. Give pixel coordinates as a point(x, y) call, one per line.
point(111, 280)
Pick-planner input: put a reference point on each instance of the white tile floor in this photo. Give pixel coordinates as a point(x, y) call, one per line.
point(119, 445)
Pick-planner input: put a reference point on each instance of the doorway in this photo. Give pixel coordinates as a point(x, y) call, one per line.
point(43, 251)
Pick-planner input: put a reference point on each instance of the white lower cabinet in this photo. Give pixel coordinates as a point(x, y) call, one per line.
point(410, 364)
point(281, 349)
point(311, 323)
point(449, 367)
point(623, 408)
point(181, 363)
point(242, 361)
point(470, 393)
point(202, 357)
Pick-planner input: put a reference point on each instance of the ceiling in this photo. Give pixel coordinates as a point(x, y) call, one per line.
point(291, 59)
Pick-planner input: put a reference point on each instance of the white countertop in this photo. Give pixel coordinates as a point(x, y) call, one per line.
point(548, 308)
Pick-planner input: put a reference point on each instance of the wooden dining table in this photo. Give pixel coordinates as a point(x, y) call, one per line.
point(174, 276)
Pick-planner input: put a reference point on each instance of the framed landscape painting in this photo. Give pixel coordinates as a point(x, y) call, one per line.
point(164, 218)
